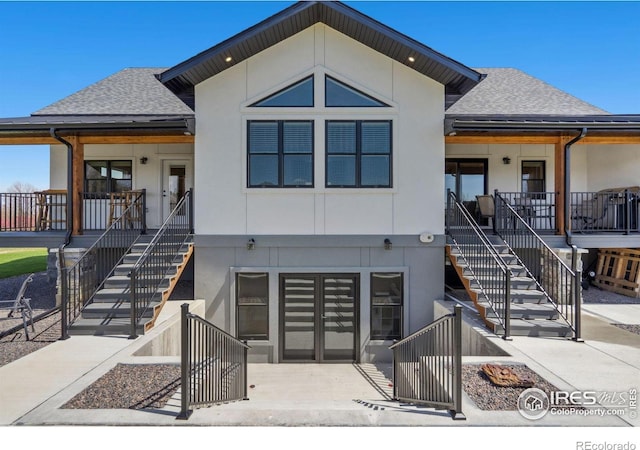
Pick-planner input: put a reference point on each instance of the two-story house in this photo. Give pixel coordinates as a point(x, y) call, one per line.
point(319, 145)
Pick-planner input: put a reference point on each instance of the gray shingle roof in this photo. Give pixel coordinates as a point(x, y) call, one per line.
point(511, 91)
point(128, 92)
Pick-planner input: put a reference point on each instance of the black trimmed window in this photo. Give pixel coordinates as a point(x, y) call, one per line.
point(252, 293)
point(108, 176)
point(338, 94)
point(533, 176)
point(386, 305)
point(299, 95)
point(280, 153)
point(358, 153)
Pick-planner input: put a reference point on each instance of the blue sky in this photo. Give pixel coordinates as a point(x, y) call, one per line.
point(49, 50)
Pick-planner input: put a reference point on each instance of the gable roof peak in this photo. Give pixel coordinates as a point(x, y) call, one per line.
point(456, 77)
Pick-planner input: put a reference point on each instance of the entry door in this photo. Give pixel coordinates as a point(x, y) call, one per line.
point(176, 180)
point(318, 317)
point(466, 178)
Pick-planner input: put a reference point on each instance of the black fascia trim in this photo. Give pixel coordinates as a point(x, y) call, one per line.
point(177, 80)
point(274, 20)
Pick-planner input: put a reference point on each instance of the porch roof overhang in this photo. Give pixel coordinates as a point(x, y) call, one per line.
point(457, 78)
point(600, 126)
point(37, 127)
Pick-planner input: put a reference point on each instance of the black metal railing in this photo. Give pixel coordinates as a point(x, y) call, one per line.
point(537, 208)
point(33, 211)
point(604, 211)
point(489, 271)
point(151, 269)
point(213, 364)
point(427, 366)
point(47, 210)
point(559, 282)
point(18, 211)
point(81, 280)
point(100, 209)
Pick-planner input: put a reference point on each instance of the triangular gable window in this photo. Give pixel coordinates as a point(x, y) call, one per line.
point(299, 94)
point(338, 94)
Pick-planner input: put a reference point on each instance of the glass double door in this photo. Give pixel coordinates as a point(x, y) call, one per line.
point(318, 317)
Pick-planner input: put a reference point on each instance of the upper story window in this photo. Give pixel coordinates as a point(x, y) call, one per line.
point(280, 153)
point(299, 94)
point(358, 153)
point(337, 94)
point(107, 176)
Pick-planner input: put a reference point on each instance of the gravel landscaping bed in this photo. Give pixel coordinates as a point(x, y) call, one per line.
point(14, 346)
point(130, 386)
point(489, 397)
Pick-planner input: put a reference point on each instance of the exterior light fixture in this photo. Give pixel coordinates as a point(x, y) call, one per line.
point(228, 59)
point(144, 160)
point(387, 244)
point(411, 59)
point(506, 160)
point(251, 244)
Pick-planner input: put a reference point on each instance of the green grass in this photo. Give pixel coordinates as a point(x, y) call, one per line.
point(18, 261)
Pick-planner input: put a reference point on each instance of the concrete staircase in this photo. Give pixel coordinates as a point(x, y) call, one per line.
point(110, 311)
point(531, 313)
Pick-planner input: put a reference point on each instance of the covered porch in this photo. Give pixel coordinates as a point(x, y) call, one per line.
point(99, 168)
point(573, 179)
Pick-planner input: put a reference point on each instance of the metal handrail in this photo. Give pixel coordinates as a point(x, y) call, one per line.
point(605, 211)
point(80, 282)
point(213, 364)
point(151, 268)
point(427, 365)
point(495, 287)
point(539, 209)
point(559, 283)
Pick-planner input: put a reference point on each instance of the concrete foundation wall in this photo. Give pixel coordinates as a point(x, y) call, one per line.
point(219, 258)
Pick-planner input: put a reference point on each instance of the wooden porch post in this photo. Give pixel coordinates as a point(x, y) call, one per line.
point(78, 181)
point(559, 178)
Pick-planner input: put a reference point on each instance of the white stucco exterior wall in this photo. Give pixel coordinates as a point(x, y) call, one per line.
point(506, 177)
point(611, 166)
point(147, 176)
point(222, 112)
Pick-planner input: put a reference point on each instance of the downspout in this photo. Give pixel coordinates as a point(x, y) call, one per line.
point(54, 135)
point(567, 186)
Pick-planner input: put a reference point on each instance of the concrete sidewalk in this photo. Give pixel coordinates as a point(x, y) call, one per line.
point(36, 386)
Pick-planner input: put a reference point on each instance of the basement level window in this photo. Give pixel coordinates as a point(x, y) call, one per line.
point(253, 306)
point(386, 305)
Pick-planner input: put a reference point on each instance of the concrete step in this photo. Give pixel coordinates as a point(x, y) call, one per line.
point(533, 328)
point(522, 311)
point(122, 281)
point(528, 296)
point(467, 270)
point(125, 269)
point(516, 282)
point(110, 310)
point(140, 247)
point(99, 327)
